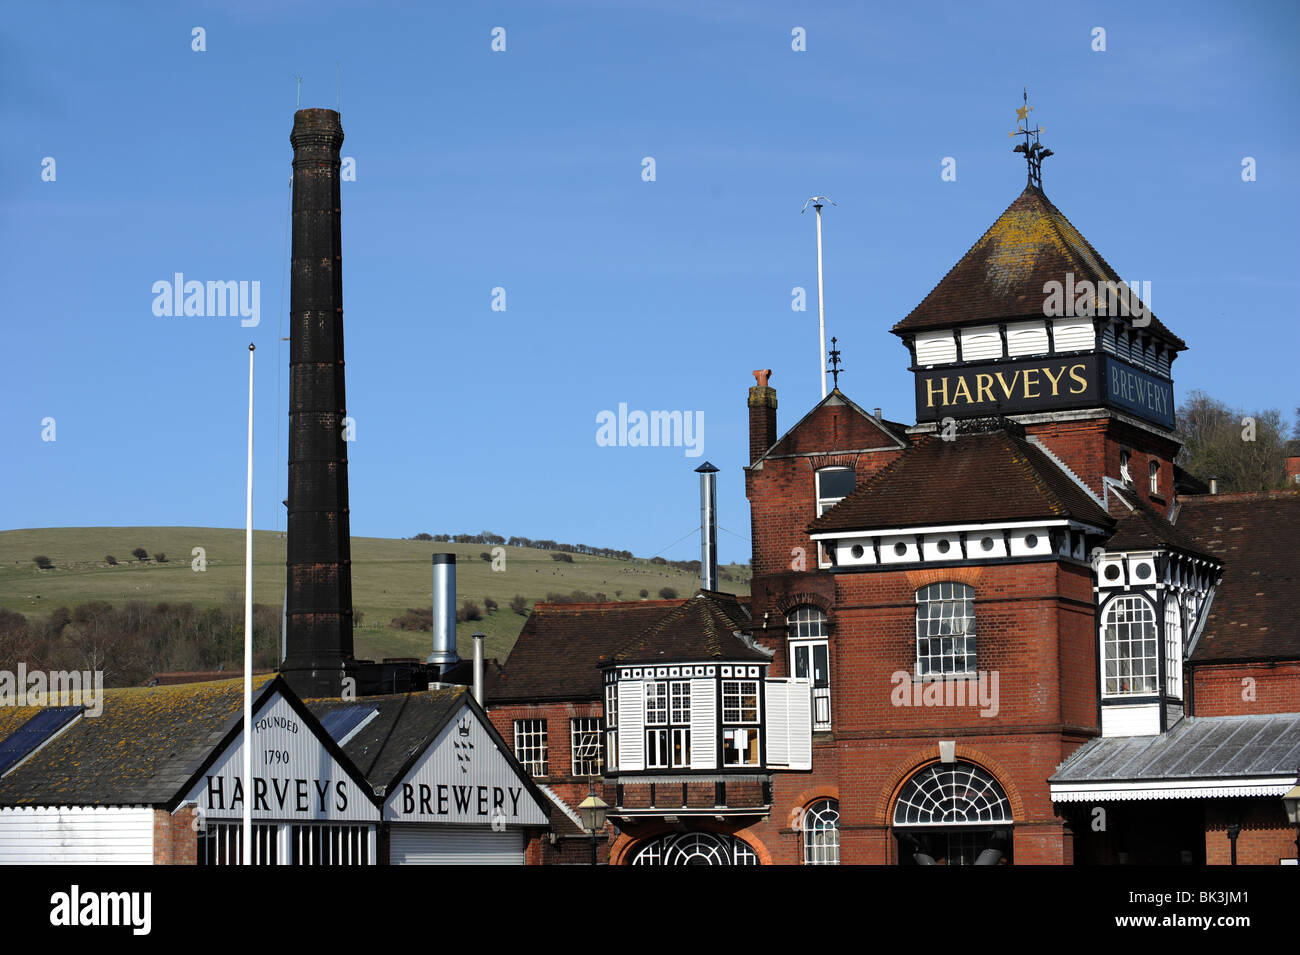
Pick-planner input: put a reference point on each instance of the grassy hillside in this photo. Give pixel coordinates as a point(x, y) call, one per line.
point(388, 576)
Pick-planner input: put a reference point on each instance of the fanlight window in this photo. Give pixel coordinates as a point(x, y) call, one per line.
point(952, 794)
point(695, 848)
point(1129, 648)
point(821, 833)
point(945, 629)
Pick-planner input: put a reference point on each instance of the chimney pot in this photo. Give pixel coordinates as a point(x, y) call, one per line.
point(762, 416)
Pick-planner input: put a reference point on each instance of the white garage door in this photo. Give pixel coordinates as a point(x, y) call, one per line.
point(461, 845)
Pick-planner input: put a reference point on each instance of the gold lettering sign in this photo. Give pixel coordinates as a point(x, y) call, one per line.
point(1013, 386)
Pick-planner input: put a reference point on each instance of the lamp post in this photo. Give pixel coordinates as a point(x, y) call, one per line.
point(1292, 802)
point(592, 810)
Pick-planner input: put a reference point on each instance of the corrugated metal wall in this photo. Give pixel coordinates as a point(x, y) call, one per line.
point(76, 836)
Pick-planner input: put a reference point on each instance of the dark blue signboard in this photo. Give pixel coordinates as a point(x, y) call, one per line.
point(1139, 391)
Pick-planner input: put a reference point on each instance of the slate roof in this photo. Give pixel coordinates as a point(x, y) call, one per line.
point(141, 750)
point(1003, 273)
point(406, 724)
point(558, 652)
point(1141, 527)
point(702, 628)
point(1256, 610)
point(974, 478)
point(1196, 747)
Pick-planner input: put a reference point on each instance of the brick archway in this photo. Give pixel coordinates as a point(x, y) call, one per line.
point(621, 852)
point(881, 813)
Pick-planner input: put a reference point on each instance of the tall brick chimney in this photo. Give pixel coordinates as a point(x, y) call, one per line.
point(318, 607)
point(762, 415)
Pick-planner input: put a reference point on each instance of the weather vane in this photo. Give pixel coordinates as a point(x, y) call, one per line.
point(835, 368)
point(1034, 152)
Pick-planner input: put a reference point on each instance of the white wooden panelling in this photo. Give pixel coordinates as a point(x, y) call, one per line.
point(76, 835)
point(631, 726)
point(1027, 338)
point(982, 343)
point(1073, 334)
point(935, 348)
point(704, 724)
point(1021, 547)
point(446, 845)
point(889, 550)
point(788, 723)
point(1141, 719)
point(294, 775)
point(800, 724)
point(463, 777)
point(777, 723)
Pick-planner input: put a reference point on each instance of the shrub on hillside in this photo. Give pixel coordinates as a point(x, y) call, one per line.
point(111, 560)
point(519, 605)
point(469, 611)
point(160, 557)
point(667, 593)
point(485, 556)
point(657, 560)
point(422, 537)
point(644, 593)
point(490, 605)
point(566, 558)
point(414, 619)
point(140, 554)
point(43, 562)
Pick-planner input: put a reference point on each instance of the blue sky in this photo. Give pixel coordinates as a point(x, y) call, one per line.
point(522, 170)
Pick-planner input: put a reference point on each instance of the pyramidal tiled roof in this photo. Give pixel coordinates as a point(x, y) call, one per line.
point(974, 478)
point(1003, 274)
point(703, 628)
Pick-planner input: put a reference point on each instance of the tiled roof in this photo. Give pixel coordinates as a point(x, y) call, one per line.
point(405, 725)
point(1003, 274)
point(702, 628)
point(557, 654)
point(973, 478)
point(1196, 747)
point(557, 651)
point(1256, 609)
point(141, 750)
point(1140, 527)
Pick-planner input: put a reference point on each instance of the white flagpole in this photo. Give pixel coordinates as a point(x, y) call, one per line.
point(821, 305)
point(248, 633)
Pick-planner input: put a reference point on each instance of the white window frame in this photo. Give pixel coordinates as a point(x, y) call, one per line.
point(586, 727)
point(820, 823)
point(807, 628)
point(1113, 639)
point(1155, 477)
point(969, 652)
point(531, 746)
point(1173, 648)
point(824, 504)
point(734, 720)
point(668, 724)
point(611, 724)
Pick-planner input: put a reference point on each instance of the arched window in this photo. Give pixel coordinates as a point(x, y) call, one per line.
point(1173, 648)
point(695, 848)
point(1155, 477)
point(1129, 648)
point(821, 833)
point(810, 658)
point(953, 814)
point(945, 629)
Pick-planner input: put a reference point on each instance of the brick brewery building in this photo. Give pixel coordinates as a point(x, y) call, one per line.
point(1011, 632)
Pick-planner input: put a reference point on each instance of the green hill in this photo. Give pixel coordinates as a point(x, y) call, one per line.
point(388, 577)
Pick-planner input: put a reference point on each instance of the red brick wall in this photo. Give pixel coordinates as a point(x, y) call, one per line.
point(1265, 838)
point(1091, 448)
point(1245, 688)
point(175, 841)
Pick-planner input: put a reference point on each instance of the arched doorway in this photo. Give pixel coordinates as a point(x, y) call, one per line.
point(694, 848)
point(953, 814)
